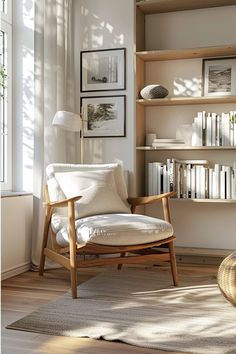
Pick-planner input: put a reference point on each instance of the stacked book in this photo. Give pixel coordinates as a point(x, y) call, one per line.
point(161, 143)
point(192, 179)
point(211, 129)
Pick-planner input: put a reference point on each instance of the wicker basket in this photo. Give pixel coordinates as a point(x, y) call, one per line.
point(227, 278)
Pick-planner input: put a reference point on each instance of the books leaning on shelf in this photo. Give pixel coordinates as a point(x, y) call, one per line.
point(211, 129)
point(192, 179)
point(166, 142)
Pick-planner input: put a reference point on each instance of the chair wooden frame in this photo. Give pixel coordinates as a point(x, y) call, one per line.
point(140, 253)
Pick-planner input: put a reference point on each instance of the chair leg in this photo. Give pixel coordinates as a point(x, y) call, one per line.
point(173, 264)
point(44, 243)
point(73, 280)
point(73, 258)
point(120, 265)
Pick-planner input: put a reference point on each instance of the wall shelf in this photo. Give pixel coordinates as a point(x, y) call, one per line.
point(161, 6)
point(174, 101)
point(184, 147)
point(206, 200)
point(188, 53)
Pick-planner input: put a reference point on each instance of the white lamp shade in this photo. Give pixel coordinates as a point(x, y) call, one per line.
point(67, 121)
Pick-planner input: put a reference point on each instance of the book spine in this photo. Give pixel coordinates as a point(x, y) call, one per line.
point(208, 130)
point(150, 179)
point(211, 183)
point(213, 129)
point(217, 181)
point(193, 182)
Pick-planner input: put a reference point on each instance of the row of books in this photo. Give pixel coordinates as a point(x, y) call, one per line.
point(192, 179)
point(211, 129)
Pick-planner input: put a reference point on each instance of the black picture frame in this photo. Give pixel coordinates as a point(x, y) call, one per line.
point(103, 70)
point(219, 76)
point(104, 116)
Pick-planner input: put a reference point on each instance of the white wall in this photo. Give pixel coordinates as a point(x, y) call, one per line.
point(16, 231)
point(190, 29)
point(102, 24)
point(200, 225)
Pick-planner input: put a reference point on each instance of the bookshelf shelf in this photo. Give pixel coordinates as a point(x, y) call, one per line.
point(184, 147)
point(160, 6)
point(174, 101)
point(188, 53)
point(195, 200)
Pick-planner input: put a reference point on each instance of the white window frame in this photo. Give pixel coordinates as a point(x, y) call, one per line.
point(6, 27)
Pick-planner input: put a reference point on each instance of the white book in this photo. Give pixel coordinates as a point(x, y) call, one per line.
point(202, 182)
point(193, 181)
point(188, 171)
point(231, 129)
point(208, 130)
point(157, 177)
point(213, 129)
point(165, 179)
point(234, 181)
point(198, 182)
point(198, 121)
point(210, 183)
point(150, 179)
point(222, 184)
point(234, 124)
point(194, 134)
point(225, 129)
point(218, 122)
point(233, 186)
point(177, 181)
point(216, 192)
point(185, 192)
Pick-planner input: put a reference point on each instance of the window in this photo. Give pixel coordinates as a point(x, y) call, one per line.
point(6, 94)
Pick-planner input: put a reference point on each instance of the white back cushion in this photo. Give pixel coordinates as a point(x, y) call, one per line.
point(98, 191)
point(55, 192)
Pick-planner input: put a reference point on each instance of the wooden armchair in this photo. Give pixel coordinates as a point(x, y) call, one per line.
point(77, 228)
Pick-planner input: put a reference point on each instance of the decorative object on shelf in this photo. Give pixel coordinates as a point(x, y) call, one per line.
point(104, 116)
point(184, 131)
point(154, 91)
point(72, 122)
point(103, 70)
point(150, 138)
point(219, 76)
point(227, 278)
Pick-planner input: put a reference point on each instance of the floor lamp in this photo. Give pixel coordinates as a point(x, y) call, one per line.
point(71, 122)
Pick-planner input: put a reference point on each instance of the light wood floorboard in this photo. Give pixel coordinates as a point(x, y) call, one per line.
point(26, 292)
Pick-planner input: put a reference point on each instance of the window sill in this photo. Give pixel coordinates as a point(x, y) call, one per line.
point(7, 194)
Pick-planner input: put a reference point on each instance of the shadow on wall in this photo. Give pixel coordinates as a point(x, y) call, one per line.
point(23, 94)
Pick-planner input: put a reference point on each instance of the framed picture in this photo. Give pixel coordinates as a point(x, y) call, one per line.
point(104, 116)
point(219, 76)
point(103, 70)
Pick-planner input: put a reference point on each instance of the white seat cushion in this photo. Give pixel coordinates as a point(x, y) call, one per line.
point(114, 230)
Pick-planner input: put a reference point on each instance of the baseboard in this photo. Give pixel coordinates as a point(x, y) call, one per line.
point(201, 255)
point(11, 272)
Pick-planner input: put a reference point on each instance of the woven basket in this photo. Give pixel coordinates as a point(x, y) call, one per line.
point(227, 278)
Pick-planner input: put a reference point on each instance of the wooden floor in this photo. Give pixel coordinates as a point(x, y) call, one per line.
point(26, 292)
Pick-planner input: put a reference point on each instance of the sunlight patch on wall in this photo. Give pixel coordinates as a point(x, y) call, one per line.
point(187, 87)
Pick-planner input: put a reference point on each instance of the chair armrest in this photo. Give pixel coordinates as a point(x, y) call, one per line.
point(135, 201)
point(62, 203)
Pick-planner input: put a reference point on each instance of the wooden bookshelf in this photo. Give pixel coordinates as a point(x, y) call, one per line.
point(188, 53)
point(184, 147)
point(174, 101)
point(160, 6)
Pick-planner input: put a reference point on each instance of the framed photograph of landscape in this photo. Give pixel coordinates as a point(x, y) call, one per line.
point(219, 76)
point(103, 70)
point(104, 116)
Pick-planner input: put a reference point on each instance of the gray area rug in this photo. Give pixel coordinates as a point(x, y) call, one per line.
point(140, 307)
